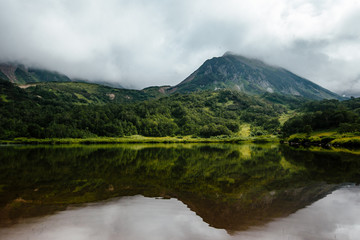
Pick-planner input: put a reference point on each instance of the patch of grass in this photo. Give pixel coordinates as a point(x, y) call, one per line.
point(286, 116)
point(297, 137)
point(324, 133)
point(346, 142)
point(3, 98)
point(265, 139)
point(244, 130)
point(326, 138)
point(79, 96)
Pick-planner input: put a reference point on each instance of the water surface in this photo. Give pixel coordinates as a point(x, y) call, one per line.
point(139, 217)
point(188, 191)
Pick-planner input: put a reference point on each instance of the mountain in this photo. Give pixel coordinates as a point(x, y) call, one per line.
point(20, 74)
point(231, 72)
point(250, 76)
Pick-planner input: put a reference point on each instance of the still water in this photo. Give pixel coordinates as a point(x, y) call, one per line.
point(191, 191)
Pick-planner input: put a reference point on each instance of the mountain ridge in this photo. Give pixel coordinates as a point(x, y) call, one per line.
point(18, 73)
point(232, 72)
point(21, 74)
point(251, 76)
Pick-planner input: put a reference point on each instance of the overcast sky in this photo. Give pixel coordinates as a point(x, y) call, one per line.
point(139, 43)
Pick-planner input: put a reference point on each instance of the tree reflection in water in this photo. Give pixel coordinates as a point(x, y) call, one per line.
point(229, 186)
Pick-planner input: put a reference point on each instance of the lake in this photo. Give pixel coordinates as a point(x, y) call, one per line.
point(178, 191)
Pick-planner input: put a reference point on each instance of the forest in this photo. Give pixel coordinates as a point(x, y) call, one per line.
point(40, 113)
point(343, 116)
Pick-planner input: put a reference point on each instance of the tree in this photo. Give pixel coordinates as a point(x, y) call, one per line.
point(308, 130)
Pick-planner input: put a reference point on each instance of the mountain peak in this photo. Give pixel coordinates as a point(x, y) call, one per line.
point(228, 53)
point(251, 76)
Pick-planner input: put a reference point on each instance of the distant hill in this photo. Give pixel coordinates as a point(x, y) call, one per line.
point(19, 74)
point(86, 93)
point(250, 76)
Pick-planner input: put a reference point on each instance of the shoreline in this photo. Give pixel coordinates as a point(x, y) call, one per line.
point(344, 141)
point(135, 139)
point(294, 140)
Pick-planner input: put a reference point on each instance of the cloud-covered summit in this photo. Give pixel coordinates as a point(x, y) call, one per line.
point(140, 43)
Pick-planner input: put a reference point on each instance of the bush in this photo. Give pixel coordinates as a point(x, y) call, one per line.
point(232, 126)
point(349, 127)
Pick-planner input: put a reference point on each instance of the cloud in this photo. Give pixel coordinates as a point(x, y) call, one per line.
point(141, 43)
point(127, 218)
point(333, 217)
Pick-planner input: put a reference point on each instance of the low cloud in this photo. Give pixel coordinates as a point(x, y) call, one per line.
point(142, 43)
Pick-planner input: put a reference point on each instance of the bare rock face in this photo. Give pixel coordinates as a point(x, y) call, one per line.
point(9, 71)
point(111, 96)
point(21, 74)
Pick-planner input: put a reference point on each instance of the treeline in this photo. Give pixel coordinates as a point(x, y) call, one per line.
point(327, 114)
point(205, 114)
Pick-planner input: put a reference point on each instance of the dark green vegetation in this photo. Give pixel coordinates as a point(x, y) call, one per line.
point(321, 116)
point(250, 76)
point(83, 110)
point(229, 186)
point(81, 93)
point(89, 110)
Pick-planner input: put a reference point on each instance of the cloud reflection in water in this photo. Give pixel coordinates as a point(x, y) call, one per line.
point(128, 218)
point(336, 216)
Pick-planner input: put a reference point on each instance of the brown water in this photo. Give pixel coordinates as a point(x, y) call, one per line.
point(211, 192)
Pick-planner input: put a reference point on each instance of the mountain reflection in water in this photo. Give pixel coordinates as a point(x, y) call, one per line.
point(334, 217)
point(337, 216)
point(127, 218)
point(229, 186)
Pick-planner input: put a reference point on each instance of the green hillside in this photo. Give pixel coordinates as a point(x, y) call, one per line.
point(85, 93)
point(81, 109)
